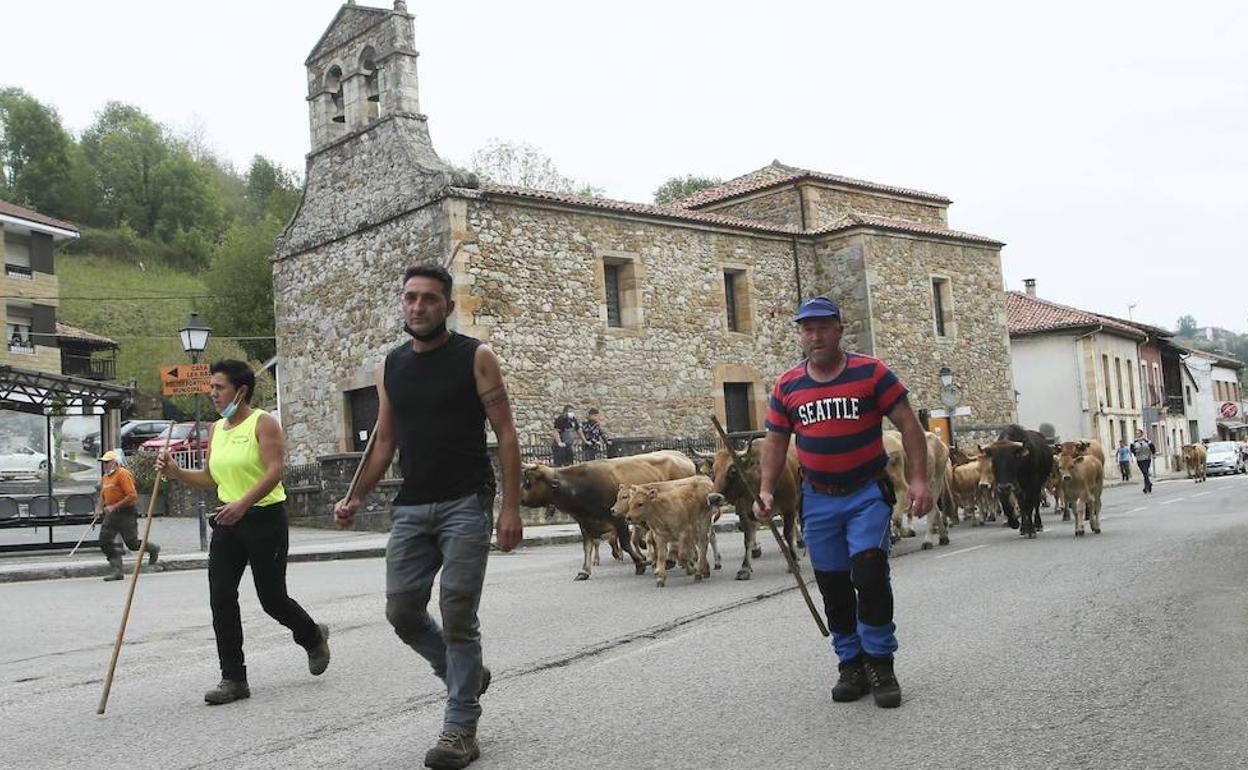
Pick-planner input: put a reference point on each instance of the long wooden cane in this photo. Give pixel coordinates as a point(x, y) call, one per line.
point(794, 568)
point(85, 532)
point(359, 469)
point(134, 581)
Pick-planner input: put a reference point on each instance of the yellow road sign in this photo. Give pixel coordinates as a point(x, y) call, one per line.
point(184, 379)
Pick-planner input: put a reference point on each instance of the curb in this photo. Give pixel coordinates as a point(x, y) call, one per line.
point(180, 562)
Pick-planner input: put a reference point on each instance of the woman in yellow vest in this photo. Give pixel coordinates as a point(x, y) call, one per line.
point(245, 460)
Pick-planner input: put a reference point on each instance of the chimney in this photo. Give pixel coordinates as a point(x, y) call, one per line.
point(1030, 285)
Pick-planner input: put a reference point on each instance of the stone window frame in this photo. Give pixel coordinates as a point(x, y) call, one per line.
point(371, 72)
point(333, 84)
point(631, 274)
point(743, 296)
point(729, 373)
point(941, 288)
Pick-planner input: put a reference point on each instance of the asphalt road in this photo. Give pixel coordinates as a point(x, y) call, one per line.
point(1120, 650)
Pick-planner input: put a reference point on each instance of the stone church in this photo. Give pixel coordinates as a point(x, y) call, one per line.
point(658, 315)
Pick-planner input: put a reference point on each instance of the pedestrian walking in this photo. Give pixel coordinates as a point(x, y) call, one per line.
point(835, 402)
point(596, 439)
point(116, 505)
point(434, 397)
point(245, 460)
point(1124, 459)
point(567, 434)
point(1144, 452)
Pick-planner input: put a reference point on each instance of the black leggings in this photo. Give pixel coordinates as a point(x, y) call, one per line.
point(261, 538)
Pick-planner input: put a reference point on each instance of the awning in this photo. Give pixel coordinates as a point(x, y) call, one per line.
point(34, 392)
point(1232, 425)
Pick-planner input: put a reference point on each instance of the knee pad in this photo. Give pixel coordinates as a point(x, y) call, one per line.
point(839, 602)
point(869, 572)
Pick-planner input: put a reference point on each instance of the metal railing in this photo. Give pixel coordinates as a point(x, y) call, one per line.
point(21, 272)
point(88, 367)
point(26, 346)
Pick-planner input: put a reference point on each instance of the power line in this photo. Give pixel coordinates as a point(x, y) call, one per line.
point(122, 299)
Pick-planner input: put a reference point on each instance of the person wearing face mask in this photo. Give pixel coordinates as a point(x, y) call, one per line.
point(245, 460)
point(566, 434)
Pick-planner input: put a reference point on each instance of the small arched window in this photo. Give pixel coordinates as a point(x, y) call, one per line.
point(333, 84)
point(372, 86)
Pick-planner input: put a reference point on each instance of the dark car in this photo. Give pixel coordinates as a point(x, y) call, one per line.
point(135, 432)
point(91, 444)
point(181, 439)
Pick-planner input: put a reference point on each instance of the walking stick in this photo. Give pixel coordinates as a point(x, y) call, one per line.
point(134, 581)
point(359, 469)
point(86, 532)
point(794, 568)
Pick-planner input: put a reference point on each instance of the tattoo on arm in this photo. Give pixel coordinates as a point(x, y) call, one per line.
point(494, 396)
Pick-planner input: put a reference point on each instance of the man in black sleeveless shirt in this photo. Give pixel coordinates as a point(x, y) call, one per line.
point(434, 397)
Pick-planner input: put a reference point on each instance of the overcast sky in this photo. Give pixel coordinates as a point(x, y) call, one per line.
point(1105, 143)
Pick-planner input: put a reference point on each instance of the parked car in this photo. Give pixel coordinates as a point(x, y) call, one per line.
point(133, 433)
point(91, 444)
point(181, 439)
point(1223, 457)
point(22, 462)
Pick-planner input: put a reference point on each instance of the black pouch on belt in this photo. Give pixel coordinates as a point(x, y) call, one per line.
point(886, 489)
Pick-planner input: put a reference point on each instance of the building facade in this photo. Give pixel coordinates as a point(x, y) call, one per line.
point(659, 315)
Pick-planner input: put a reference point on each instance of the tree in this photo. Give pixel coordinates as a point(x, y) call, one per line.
point(1187, 326)
point(241, 272)
point(270, 190)
point(523, 165)
point(185, 198)
point(682, 187)
point(40, 165)
point(124, 147)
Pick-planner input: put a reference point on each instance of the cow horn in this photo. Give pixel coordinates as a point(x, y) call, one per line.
point(704, 455)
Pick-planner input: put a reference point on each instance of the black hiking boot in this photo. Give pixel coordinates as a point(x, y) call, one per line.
point(485, 680)
point(153, 553)
point(852, 683)
point(227, 692)
point(318, 656)
point(454, 749)
point(884, 686)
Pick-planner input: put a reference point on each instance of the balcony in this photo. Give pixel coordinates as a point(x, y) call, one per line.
point(23, 346)
point(1174, 405)
point(88, 367)
point(20, 272)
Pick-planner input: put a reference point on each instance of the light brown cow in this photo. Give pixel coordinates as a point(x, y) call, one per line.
point(730, 489)
point(939, 471)
point(1082, 479)
point(965, 487)
point(1194, 458)
point(587, 492)
point(1074, 448)
point(643, 539)
point(675, 512)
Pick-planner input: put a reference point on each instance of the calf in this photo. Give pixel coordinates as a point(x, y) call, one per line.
point(643, 539)
point(1082, 478)
point(1075, 448)
point(1194, 457)
point(676, 512)
point(729, 488)
point(938, 482)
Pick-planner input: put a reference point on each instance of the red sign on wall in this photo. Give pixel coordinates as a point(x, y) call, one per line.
point(1229, 409)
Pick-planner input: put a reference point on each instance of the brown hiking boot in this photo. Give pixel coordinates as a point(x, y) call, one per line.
point(318, 656)
point(852, 683)
point(117, 573)
point(454, 749)
point(227, 692)
point(884, 686)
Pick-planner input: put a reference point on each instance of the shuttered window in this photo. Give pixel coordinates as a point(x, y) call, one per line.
point(611, 275)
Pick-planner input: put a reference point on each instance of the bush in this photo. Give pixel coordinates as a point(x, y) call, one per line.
point(142, 465)
point(120, 243)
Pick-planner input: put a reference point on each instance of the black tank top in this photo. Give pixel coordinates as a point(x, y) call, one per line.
point(439, 421)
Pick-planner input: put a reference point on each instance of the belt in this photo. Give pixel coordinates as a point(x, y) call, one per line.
point(841, 490)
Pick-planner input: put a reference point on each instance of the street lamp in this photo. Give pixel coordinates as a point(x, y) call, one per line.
point(951, 397)
point(195, 336)
point(946, 376)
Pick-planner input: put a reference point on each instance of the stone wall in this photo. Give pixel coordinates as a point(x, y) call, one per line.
point(899, 272)
point(537, 281)
point(781, 207)
point(834, 267)
point(825, 205)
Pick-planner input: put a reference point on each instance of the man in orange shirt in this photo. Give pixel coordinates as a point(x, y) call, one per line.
point(117, 502)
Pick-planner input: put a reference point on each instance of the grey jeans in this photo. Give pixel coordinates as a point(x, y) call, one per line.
point(452, 536)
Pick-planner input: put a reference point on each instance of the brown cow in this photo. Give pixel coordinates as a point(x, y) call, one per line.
point(939, 471)
point(1194, 458)
point(676, 512)
point(965, 487)
point(588, 490)
point(1082, 477)
point(788, 498)
point(643, 539)
point(1075, 448)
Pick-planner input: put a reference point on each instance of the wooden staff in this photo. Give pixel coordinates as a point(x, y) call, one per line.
point(794, 568)
point(359, 469)
point(134, 581)
point(85, 532)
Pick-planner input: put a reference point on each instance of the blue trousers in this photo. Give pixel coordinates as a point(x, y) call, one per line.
point(847, 539)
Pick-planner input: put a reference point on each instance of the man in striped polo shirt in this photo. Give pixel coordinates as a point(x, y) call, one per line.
point(836, 402)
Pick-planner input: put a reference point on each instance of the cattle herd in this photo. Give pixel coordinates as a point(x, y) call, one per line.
point(660, 508)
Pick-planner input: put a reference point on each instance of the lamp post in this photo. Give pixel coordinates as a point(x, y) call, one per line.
point(951, 397)
point(194, 340)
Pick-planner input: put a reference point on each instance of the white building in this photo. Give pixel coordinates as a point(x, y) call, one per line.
point(1074, 370)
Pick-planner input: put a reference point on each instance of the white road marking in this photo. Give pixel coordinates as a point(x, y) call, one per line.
point(1173, 500)
point(964, 550)
point(1141, 508)
point(1202, 494)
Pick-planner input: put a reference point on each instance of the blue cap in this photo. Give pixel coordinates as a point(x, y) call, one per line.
point(819, 307)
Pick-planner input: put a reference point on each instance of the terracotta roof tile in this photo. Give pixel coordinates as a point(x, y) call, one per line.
point(14, 210)
point(74, 333)
point(1032, 315)
point(778, 174)
point(712, 218)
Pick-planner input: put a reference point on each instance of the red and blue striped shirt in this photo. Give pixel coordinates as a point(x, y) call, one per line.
point(839, 423)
